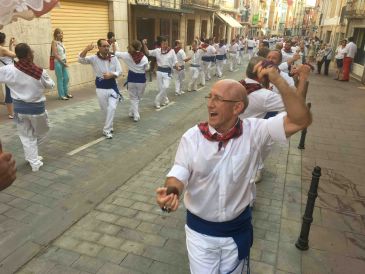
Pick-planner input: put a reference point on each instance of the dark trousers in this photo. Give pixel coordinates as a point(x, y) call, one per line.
point(326, 66)
point(319, 66)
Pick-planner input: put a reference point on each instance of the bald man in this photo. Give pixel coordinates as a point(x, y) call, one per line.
point(214, 164)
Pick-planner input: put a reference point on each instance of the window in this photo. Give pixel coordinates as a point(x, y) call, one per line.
point(359, 40)
point(190, 32)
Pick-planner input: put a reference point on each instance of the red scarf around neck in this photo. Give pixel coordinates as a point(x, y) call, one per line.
point(137, 56)
point(251, 87)
point(204, 45)
point(166, 51)
point(108, 57)
point(29, 68)
point(234, 132)
point(177, 49)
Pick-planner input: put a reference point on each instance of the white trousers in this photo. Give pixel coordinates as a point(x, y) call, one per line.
point(194, 78)
point(179, 79)
point(136, 91)
point(219, 66)
point(206, 70)
point(250, 53)
point(233, 61)
point(32, 130)
point(163, 83)
point(107, 104)
point(212, 255)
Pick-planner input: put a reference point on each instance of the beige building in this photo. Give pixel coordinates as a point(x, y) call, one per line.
point(83, 22)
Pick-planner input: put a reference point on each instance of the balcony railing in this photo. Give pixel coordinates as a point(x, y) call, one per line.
point(170, 4)
point(355, 9)
point(200, 4)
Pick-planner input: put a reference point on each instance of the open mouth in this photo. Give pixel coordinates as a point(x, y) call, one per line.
point(213, 114)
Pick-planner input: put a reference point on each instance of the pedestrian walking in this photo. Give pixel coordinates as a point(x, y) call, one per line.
point(328, 52)
point(250, 47)
point(233, 55)
point(137, 64)
point(350, 53)
point(340, 54)
point(27, 82)
point(106, 68)
point(214, 164)
point(166, 60)
point(180, 74)
point(221, 53)
point(60, 64)
point(6, 57)
point(320, 57)
point(195, 65)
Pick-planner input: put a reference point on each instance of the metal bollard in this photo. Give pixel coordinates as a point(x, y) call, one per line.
point(302, 242)
point(304, 133)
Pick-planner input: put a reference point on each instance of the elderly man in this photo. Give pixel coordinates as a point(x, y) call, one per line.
point(107, 68)
point(27, 82)
point(214, 164)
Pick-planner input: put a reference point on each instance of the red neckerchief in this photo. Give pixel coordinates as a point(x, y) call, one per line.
point(177, 49)
point(108, 57)
point(109, 41)
point(204, 45)
point(137, 56)
point(166, 52)
point(251, 87)
point(234, 132)
point(29, 68)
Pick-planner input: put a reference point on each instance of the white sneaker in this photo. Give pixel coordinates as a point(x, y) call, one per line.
point(107, 134)
point(258, 176)
point(36, 167)
point(40, 158)
point(130, 115)
point(166, 102)
point(157, 106)
point(182, 92)
point(177, 94)
point(136, 119)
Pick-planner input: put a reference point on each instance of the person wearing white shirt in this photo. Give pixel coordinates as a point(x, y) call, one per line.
point(241, 46)
point(180, 74)
point(27, 82)
point(195, 66)
point(221, 52)
point(275, 56)
point(340, 54)
point(137, 64)
point(350, 53)
point(214, 164)
point(250, 47)
point(207, 60)
point(112, 42)
point(166, 60)
point(233, 55)
point(106, 68)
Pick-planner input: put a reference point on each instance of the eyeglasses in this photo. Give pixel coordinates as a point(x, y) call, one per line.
point(217, 98)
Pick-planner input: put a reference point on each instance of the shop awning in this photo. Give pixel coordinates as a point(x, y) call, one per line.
point(229, 20)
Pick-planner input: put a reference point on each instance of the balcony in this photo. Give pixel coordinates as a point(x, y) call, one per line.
point(212, 5)
point(355, 9)
point(158, 4)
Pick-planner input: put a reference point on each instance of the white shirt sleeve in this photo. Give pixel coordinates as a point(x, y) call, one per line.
point(152, 52)
point(85, 60)
point(5, 75)
point(47, 81)
point(121, 55)
point(274, 102)
point(118, 69)
point(271, 130)
point(182, 165)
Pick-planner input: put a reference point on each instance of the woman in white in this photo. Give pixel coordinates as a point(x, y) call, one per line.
point(340, 54)
point(27, 82)
point(221, 51)
point(233, 55)
point(195, 66)
point(180, 74)
point(137, 64)
point(60, 65)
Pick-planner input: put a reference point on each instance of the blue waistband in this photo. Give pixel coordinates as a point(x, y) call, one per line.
point(225, 56)
point(108, 84)
point(249, 47)
point(22, 107)
point(134, 77)
point(164, 69)
point(195, 66)
point(208, 58)
point(242, 49)
point(220, 57)
point(240, 229)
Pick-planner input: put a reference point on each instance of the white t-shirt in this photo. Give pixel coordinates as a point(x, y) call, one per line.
point(340, 52)
point(164, 60)
point(141, 67)
point(261, 102)
point(351, 50)
point(101, 66)
point(196, 57)
point(233, 48)
point(218, 185)
point(24, 87)
point(181, 56)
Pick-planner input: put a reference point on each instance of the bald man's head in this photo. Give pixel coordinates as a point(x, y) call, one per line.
point(233, 90)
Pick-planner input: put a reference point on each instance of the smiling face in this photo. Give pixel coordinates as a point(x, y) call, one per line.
point(223, 114)
point(274, 56)
point(103, 47)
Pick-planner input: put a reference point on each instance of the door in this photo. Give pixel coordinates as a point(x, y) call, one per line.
point(146, 30)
